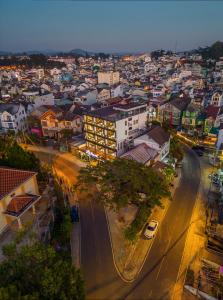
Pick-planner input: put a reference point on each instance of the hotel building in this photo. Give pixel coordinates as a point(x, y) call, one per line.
point(110, 131)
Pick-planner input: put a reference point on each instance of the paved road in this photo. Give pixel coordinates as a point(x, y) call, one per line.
point(160, 271)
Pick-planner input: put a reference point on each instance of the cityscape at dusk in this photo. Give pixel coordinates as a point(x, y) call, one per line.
point(111, 150)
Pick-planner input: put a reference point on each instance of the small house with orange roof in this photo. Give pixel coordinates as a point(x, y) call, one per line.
point(19, 194)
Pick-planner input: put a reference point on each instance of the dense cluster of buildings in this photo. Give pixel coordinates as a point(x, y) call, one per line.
point(115, 102)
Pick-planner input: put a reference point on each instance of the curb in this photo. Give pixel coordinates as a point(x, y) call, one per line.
point(150, 246)
point(114, 261)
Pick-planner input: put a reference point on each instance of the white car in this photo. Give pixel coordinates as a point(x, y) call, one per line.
point(151, 229)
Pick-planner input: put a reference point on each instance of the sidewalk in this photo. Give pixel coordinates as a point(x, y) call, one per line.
point(76, 244)
point(130, 258)
point(65, 155)
point(67, 182)
point(196, 238)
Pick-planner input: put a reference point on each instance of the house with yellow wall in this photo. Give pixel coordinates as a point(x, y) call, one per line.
point(19, 194)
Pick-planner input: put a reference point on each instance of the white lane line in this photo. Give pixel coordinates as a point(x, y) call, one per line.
point(160, 267)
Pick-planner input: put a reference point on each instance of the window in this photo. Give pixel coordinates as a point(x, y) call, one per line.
point(125, 132)
point(125, 123)
point(44, 123)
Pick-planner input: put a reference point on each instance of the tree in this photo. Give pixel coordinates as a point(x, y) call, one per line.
point(37, 272)
point(121, 182)
point(67, 133)
point(176, 149)
point(215, 51)
point(14, 156)
point(157, 53)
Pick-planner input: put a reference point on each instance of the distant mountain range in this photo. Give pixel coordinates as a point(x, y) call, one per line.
point(73, 51)
point(50, 52)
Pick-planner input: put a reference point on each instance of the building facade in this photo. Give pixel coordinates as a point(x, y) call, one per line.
point(12, 118)
point(18, 193)
point(110, 131)
point(110, 78)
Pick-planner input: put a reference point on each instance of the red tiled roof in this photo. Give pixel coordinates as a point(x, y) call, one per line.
point(18, 204)
point(159, 135)
point(142, 153)
point(11, 179)
point(212, 111)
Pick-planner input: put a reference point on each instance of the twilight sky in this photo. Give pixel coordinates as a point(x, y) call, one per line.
point(109, 25)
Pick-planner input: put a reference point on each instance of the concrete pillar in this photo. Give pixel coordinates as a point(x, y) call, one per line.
point(34, 209)
point(19, 223)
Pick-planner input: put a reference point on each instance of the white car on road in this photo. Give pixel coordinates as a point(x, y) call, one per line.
point(151, 229)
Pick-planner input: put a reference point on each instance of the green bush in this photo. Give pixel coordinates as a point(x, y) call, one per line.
point(137, 225)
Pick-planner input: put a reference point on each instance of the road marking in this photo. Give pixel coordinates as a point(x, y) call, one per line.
point(160, 267)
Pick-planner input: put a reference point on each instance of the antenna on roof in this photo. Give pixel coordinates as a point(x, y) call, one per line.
point(175, 49)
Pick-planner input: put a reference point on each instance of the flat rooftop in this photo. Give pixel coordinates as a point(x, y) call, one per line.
point(118, 111)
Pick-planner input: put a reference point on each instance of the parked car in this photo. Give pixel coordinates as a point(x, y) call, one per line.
point(197, 147)
point(216, 181)
point(74, 213)
point(179, 164)
point(199, 150)
point(151, 229)
point(213, 176)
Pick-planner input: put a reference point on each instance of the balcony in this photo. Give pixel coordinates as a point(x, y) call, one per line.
point(88, 119)
point(110, 125)
point(89, 128)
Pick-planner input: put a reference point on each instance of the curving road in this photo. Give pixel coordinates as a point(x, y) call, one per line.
point(159, 273)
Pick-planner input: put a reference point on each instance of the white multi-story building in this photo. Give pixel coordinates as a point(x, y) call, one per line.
point(110, 78)
point(12, 118)
point(217, 98)
point(40, 98)
point(110, 131)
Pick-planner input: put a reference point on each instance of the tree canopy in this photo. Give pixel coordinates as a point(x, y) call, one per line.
point(176, 149)
point(14, 156)
point(121, 182)
point(215, 51)
point(37, 272)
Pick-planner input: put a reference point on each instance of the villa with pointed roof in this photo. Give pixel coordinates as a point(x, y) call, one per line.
point(18, 194)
